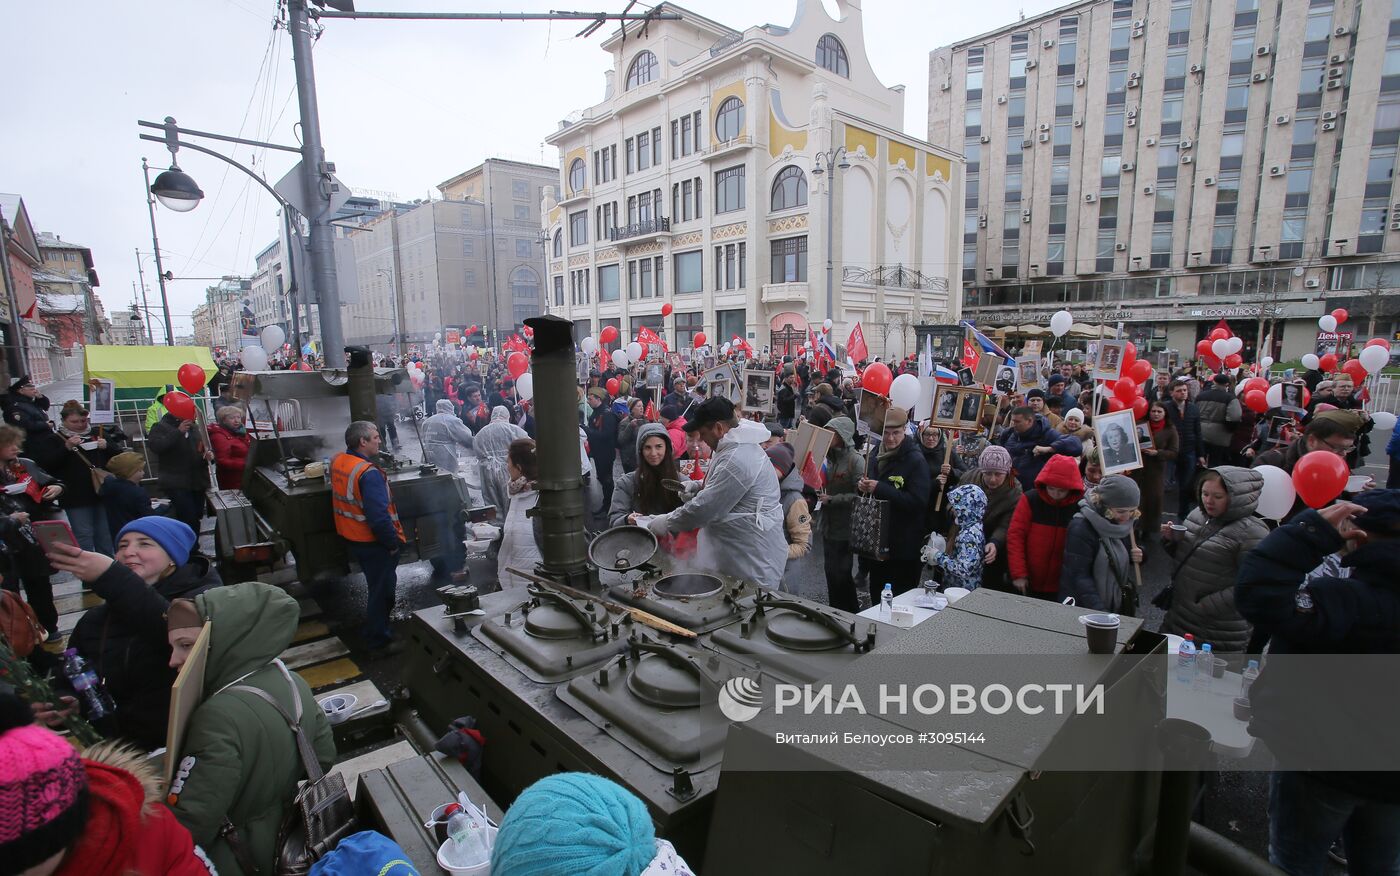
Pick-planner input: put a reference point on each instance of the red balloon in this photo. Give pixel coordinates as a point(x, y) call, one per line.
point(666, 310)
point(1140, 406)
point(517, 364)
point(1378, 342)
point(613, 386)
point(1307, 396)
point(1212, 362)
point(1114, 404)
point(475, 355)
point(1129, 355)
point(1234, 360)
point(878, 378)
point(1356, 370)
point(1256, 400)
point(1219, 334)
point(1125, 391)
point(1340, 315)
point(1328, 362)
point(179, 404)
point(699, 339)
point(191, 377)
point(1203, 348)
point(529, 332)
point(1319, 477)
point(609, 334)
point(1254, 383)
point(1141, 371)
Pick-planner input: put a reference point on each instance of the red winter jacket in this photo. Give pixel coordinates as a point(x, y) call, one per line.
point(230, 453)
point(1035, 544)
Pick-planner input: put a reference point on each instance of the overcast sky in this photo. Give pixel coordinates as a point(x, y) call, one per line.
point(404, 106)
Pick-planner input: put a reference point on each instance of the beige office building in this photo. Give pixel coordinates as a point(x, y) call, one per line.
point(1165, 164)
point(694, 182)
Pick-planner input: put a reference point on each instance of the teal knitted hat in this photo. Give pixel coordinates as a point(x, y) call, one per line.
point(576, 824)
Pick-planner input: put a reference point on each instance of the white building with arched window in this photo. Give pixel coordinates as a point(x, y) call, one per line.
point(695, 182)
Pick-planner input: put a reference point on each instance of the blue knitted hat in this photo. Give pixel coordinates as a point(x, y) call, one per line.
point(574, 823)
point(174, 537)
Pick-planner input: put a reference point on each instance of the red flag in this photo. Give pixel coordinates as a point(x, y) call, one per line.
point(855, 345)
point(969, 354)
point(647, 337)
point(811, 473)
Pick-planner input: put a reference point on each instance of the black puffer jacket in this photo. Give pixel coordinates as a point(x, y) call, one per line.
point(51, 452)
point(179, 456)
point(125, 640)
point(905, 483)
point(29, 414)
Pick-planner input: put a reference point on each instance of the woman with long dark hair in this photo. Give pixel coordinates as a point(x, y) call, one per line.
point(640, 493)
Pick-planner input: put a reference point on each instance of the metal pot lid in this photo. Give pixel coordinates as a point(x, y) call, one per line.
point(660, 682)
point(622, 548)
point(688, 586)
point(548, 621)
point(795, 631)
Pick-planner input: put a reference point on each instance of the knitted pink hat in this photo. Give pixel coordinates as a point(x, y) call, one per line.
point(43, 796)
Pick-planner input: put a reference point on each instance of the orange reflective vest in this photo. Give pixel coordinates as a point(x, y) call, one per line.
point(347, 503)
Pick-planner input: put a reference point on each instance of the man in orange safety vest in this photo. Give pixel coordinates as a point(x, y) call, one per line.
point(366, 518)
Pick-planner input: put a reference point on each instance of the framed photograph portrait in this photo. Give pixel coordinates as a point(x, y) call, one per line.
point(1282, 430)
point(656, 374)
point(1028, 372)
point(946, 398)
point(758, 392)
point(102, 404)
point(1144, 434)
point(1109, 364)
point(870, 417)
point(1006, 380)
point(970, 408)
point(1116, 434)
point(1292, 395)
point(676, 361)
point(966, 377)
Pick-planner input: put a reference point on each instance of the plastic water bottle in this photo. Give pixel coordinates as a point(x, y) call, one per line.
point(467, 835)
point(87, 684)
point(1247, 678)
point(1205, 662)
point(1186, 660)
point(887, 601)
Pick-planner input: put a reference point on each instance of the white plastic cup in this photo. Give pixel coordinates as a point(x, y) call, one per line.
point(444, 858)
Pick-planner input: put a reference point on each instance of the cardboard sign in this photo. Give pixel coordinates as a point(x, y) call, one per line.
point(985, 373)
point(185, 696)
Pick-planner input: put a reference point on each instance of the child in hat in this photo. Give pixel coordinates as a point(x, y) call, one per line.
point(125, 499)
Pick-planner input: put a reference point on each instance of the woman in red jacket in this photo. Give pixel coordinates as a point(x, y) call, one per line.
point(1035, 544)
point(231, 442)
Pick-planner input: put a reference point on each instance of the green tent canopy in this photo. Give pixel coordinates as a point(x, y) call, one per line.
point(141, 373)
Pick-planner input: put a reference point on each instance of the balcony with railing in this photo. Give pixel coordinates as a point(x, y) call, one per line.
point(775, 293)
point(896, 276)
point(640, 232)
point(728, 147)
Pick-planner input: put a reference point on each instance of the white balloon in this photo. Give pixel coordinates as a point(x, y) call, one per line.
point(525, 386)
point(254, 359)
point(1220, 347)
point(1235, 345)
point(826, 324)
point(1266, 362)
point(1274, 395)
point(1060, 322)
point(1277, 495)
point(1310, 361)
point(589, 346)
point(1374, 358)
point(1383, 420)
point(438, 336)
point(724, 349)
point(634, 352)
point(1327, 322)
point(904, 391)
point(272, 337)
point(619, 358)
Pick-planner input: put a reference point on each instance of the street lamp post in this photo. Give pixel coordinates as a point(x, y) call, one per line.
point(397, 341)
point(825, 164)
point(176, 204)
point(140, 272)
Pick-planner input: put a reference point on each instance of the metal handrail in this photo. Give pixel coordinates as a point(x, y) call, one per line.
point(638, 229)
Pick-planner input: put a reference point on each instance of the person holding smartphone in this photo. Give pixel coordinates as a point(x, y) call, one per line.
point(27, 494)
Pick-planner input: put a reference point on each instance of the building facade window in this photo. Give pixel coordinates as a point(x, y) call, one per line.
point(789, 189)
point(788, 260)
point(608, 282)
point(687, 324)
point(578, 176)
point(643, 70)
point(688, 273)
point(645, 278)
point(831, 55)
point(730, 266)
point(558, 244)
point(729, 189)
point(578, 288)
point(729, 121)
point(559, 290)
point(578, 228)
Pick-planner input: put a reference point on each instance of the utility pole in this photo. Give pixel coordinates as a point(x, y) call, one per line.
point(316, 189)
point(155, 245)
point(145, 306)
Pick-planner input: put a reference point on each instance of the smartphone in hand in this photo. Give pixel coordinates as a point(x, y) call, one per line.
point(51, 532)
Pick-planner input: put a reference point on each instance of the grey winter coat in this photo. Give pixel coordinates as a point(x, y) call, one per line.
point(443, 433)
point(624, 500)
point(1097, 570)
point(1203, 602)
point(1220, 414)
point(844, 468)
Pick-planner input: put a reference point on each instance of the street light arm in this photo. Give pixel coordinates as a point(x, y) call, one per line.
point(173, 132)
point(224, 158)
